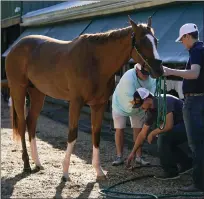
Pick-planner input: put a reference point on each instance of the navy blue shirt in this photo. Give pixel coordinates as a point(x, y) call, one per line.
point(196, 56)
point(173, 104)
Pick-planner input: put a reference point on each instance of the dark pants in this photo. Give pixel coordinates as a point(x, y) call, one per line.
point(193, 113)
point(169, 151)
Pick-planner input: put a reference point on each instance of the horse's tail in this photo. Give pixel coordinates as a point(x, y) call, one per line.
point(14, 117)
point(4, 83)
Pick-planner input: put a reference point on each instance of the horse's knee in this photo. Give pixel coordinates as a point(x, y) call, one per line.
point(72, 135)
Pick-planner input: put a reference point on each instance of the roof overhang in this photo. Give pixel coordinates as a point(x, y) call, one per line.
point(99, 8)
point(5, 23)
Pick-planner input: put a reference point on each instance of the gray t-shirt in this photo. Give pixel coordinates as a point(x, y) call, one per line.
point(173, 104)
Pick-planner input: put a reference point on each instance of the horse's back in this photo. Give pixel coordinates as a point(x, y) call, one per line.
point(31, 41)
point(23, 51)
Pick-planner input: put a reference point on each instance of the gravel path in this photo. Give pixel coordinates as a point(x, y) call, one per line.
point(51, 142)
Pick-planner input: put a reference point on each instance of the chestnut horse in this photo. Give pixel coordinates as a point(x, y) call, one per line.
point(79, 71)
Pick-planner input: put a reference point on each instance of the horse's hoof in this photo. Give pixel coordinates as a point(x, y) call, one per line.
point(27, 170)
point(65, 179)
point(101, 178)
point(39, 168)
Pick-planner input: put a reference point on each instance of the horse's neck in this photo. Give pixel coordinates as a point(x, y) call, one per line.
point(117, 54)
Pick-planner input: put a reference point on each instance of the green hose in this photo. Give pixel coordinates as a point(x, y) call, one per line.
point(109, 193)
point(161, 116)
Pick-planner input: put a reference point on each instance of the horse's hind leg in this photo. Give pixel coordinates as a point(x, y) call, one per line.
point(36, 104)
point(18, 94)
point(74, 113)
point(97, 112)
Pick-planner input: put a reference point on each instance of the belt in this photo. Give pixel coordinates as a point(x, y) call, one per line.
point(193, 94)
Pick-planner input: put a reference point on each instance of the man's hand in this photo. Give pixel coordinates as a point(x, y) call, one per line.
point(150, 137)
point(167, 71)
point(130, 159)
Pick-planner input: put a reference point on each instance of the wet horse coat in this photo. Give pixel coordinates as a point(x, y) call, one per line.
point(79, 71)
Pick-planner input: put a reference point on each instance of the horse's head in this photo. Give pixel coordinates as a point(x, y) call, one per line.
point(145, 48)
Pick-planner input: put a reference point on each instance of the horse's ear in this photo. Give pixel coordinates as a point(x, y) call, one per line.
point(149, 23)
point(133, 24)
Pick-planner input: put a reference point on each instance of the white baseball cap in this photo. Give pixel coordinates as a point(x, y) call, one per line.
point(143, 92)
point(185, 29)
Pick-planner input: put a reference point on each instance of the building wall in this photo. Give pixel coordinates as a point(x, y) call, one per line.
point(8, 9)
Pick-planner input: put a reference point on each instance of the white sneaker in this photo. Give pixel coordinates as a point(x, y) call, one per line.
point(141, 161)
point(118, 161)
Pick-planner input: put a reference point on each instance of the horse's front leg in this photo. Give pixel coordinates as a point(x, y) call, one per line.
point(97, 112)
point(74, 113)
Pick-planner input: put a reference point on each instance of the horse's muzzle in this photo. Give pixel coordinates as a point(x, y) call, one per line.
point(156, 69)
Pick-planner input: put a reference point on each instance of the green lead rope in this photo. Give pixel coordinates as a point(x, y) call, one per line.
point(161, 116)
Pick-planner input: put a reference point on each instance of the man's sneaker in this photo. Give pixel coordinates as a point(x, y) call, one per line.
point(141, 161)
point(184, 170)
point(118, 161)
point(167, 176)
point(191, 188)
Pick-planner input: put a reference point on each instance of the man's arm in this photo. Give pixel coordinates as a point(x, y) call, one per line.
point(169, 125)
point(193, 73)
point(140, 138)
point(138, 142)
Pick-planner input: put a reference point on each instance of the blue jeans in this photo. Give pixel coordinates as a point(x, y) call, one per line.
point(193, 114)
point(170, 153)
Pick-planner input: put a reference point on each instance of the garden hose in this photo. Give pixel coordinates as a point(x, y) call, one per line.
point(127, 195)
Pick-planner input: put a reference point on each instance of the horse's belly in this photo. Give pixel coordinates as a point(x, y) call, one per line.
point(54, 93)
point(51, 89)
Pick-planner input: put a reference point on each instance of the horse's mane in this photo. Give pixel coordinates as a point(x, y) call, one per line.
point(113, 34)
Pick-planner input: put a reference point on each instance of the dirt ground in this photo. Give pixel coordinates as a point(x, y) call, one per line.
point(51, 142)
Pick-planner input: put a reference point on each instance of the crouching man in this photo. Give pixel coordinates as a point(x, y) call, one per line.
point(173, 134)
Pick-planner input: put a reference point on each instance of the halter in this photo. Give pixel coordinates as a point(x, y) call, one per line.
point(161, 118)
point(147, 61)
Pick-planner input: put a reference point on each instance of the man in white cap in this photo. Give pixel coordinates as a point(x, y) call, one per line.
point(169, 139)
point(193, 90)
point(123, 108)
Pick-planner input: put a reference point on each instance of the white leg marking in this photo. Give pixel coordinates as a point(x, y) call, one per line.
point(66, 161)
point(96, 162)
point(34, 152)
point(156, 54)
